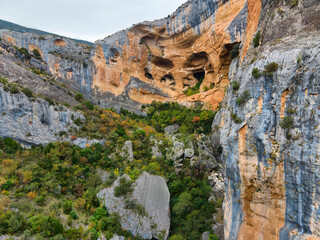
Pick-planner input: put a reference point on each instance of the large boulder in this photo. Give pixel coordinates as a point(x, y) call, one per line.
point(150, 192)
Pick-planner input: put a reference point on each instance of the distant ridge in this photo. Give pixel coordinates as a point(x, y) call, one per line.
point(18, 28)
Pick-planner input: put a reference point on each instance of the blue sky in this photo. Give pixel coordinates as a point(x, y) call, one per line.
point(84, 19)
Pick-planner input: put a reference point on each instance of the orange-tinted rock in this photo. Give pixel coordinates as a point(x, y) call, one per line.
point(32, 47)
point(60, 42)
point(261, 220)
point(173, 55)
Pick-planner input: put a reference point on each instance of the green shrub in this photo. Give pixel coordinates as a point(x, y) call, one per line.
point(73, 215)
point(183, 205)
point(47, 226)
point(67, 207)
point(14, 89)
point(7, 185)
point(191, 91)
point(24, 51)
point(36, 53)
point(72, 234)
point(235, 51)
point(256, 73)
point(136, 207)
point(196, 89)
point(256, 39)
point(294, 3)
point(243, 98)
point(235, 86)
point(287, 122)
point(235, 118)
point(36, 71)
point(3, 80)
point(27, 92)
point(1, 52)
point(49, 100)
point(10, 145)
point(88, 105)
point(270, 68)
point(213, 237)
point(6, 89)
point(16, 223)
point(124, 187)
point(78, 122)
point(176, 237)
point(40, 200)
point(78, 97)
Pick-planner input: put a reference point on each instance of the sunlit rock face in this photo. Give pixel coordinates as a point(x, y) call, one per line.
point(156, 60)
point(174, 53)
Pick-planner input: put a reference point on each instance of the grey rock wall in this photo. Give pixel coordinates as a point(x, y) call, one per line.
point(33, 121)
point(272, 173)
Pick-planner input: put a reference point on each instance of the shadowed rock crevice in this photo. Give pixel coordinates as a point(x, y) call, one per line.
point(196, 60)
point(162, 62)
point(168, 80)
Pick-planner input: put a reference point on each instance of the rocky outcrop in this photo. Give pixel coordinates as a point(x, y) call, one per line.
point(32, 122)
point(16, 71)
point(270, 138)
point(64, 58)
point(152, 193)
point(156, 60)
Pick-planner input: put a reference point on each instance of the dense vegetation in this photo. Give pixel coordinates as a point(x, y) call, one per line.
point(50, 191)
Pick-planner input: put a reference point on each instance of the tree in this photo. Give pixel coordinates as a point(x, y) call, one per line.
point(46, 225)
point(67, 207)
point(183, 204)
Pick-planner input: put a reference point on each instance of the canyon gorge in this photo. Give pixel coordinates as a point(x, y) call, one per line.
point(255, 62)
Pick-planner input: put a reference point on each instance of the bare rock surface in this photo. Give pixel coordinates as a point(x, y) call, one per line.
point(152, 193)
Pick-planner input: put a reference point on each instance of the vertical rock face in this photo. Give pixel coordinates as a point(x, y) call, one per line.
point(152, 193)
point(32, 122)
point(156, 60)
point(272, 163)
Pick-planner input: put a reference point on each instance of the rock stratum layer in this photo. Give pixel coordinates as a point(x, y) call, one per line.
point(154, 60)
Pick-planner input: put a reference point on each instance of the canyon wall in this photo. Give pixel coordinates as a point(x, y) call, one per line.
point(157, 60)
point(271, 137)
point(268, 128)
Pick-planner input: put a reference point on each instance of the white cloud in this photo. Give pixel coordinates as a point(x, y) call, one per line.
point(83, 19)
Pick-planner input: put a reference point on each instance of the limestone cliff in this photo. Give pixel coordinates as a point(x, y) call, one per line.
point(157, 60)
point(269, 129)
point(268, 126)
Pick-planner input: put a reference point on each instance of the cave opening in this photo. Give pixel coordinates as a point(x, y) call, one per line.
point(196, 60)
point(168, 79)
point(162, 62)
point(147, 74)
point(199, 75)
